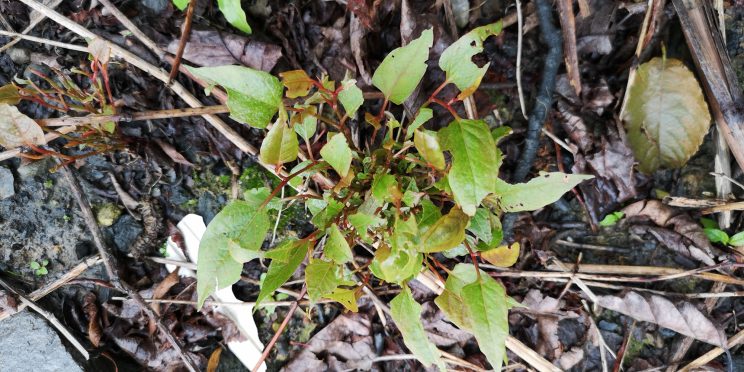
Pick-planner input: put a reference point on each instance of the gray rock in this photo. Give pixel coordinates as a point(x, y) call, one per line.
point(6, 183)
point(29, 343)
point(156, 6)
point(125, 231)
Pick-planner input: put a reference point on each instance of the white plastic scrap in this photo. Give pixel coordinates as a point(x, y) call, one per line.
point(249, 351)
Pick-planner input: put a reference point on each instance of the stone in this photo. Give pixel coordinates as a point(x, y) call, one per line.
point(29, 343)
point(6, 183)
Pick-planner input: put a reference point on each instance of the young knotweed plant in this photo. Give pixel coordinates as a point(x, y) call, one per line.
point(56, 90)
point(395, 205)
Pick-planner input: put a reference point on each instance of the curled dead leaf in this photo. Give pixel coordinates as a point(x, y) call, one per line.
point(17, 129)
point(682, 317)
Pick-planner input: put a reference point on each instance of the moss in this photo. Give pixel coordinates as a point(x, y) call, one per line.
point(635, 347)
point(107, 214)
point(254, 176)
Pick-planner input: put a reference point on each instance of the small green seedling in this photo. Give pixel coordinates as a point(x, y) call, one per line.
point(611, 219)
point(40, 269)
point(716, 235)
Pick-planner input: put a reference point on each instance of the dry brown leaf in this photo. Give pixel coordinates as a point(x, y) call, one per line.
point(8, 303)
point(163, 288)
point(683, 318)
point(17, 129)
point(683, 234)
point(172, 153)
point(91, 311)
point(357, 35)
point(212, 48)
point(346, 343)
point(214, 360)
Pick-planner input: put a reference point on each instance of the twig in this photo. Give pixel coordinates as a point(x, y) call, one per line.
point(109, 264)
point(279, 331)
point(42, 40)
point(713, 354)
point(53, 286)
point(520, 34)
point(227, 304)
point(50, 317)
point(137, 116)
point(185, 34)
point(149, 43)
point(544, 99)
point(728, 178)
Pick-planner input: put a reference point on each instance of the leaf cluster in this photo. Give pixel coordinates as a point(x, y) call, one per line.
point(412, 195)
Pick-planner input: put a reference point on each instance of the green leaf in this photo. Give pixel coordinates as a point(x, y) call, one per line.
point(499, 133)
point(253, 96)
point(401, 71)
point(285, 259)
point(34, 265)
point(448, 232)
point(430, 214)
point(540, 191)
point(234, 14)
point(425, 114)
point(9, 95)
point(363, 221)
point(280, 145)
point(308, 123)
point(708, 223)
point(475, 164)
point(611, 219)
point(457, 60)
point(384, 186)
point(322, 278)
point(428, 146)
point(486, 304)
point(737, 240)
point(336, 247)
point(450, 301)
point(716, 236)
point(346, 297)
point(297, 82)
point(323, 217)
point(351, 97)
point(666, 115)
point(338, 154)
point(487, 228)
point(401, 261)
point(406, 314)
point(181, 4)
point(234, 236)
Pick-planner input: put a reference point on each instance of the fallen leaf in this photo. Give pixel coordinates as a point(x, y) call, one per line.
point(17, 129)
point(666, 114)
point(214, 360)
point(8, 303)
point(172, 153)
point(91, 311)
point(212, 48)
point(163, 287)
point(346, 343)
point(682, 317)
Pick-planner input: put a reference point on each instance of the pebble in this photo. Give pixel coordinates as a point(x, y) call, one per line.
point(6, 183)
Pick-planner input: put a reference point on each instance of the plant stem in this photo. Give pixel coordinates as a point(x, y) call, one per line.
point(137, 116)
point(279, 331)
